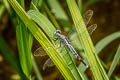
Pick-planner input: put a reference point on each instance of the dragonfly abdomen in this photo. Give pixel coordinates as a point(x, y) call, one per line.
point(73, 51)
point(76, 55)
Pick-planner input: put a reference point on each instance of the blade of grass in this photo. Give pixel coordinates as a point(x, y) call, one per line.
point(60, 14)
point(79, 2)
point(24, 49)
point(95, 65)
point(105, 41)
point(39, 76)
point(51, 16)
point(77, 44)
point(117, 77)
point(11, 13)
point(2, 9)
point(7, 6)
point(43, 22)
point(43, 40)
point(9, 56)
point(38, 3)
point(114, 63)
point(57, 9)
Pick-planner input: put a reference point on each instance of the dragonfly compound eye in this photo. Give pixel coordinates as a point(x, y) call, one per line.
point(57, 31)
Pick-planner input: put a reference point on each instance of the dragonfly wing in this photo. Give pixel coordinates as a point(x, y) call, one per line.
point(48, 63)
point(74, 36)
point(92, 28)
point(87, 16)
point(39, 52)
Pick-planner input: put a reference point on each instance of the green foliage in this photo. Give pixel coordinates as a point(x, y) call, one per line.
point(43, 40)
point(95, 65)
point(105, 41)
point(115, 61)
point(60, 14)
point(34, 24)
point(24, 39)
point(2, 9)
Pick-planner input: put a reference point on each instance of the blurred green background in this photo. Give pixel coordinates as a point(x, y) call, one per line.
point(106, 16)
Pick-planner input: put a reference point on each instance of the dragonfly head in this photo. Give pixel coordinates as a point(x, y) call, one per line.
point(57, 31)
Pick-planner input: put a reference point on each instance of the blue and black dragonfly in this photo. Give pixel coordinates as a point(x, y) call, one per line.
point(65, 41)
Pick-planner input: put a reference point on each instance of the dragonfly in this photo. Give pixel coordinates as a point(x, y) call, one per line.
point(65, 41)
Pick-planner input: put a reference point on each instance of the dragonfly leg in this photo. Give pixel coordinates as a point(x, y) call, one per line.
point(62, 49)
point(59, 45)
point(55, 39)
point(55, 42)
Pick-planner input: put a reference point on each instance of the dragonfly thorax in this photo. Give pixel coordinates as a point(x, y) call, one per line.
point(63, 39)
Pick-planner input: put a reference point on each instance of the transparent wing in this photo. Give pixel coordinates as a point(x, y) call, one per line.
point(74, 37)
point(48, 63)
point(87, 16)
point(92, 28)
point(39, 52)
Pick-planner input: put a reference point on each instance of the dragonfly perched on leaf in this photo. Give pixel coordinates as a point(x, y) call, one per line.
point(63, 39)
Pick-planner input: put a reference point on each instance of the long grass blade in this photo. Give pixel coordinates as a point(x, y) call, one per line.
point(24, 41)
point(24, 48)
point(51, 16)
point(105, 41)
point(60, 14)
point(35, 68)
point(43, 22)
point(115, 61)
point(2, 10)
point(57, 9)
point(95, 65)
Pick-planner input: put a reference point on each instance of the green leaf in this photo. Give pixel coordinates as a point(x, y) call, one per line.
point(95, 65)
point(2, 9)
point(79, 2)
point(24, 43)
point(115, 61)
point(60, 14)
point(101, 44)
point(57, 9)
point(52, 18)
point(43, 22)
point(35, 68)
point(105, 41)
